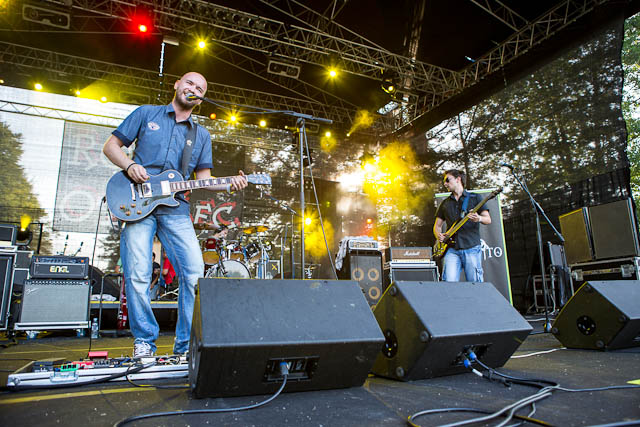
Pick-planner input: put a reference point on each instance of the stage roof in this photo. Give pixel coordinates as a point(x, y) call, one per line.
point(440, 56)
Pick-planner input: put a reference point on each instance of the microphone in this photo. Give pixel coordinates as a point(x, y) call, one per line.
point(506, 165)
point(191, 97)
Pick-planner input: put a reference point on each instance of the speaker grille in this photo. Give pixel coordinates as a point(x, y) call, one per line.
point(55, 301)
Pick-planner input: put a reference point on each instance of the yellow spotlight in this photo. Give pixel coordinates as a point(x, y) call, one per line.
point(233, 118)
point(332, 73)
point(327, 134)
point(103, 99)
point(77, 93)
point(38, 86)
point(1, 81)
point(263, 123)
point(369, 221)
point(25, 220)
point(212, 116)
point(202, 44)
point(348, 135)
point(307, 221)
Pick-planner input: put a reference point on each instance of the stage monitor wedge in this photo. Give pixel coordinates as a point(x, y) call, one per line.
point(601, 315)
point(430, 326)
point(243, 328)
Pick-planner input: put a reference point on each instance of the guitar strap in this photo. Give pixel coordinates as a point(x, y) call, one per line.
point(188, 149)
point(465, 205)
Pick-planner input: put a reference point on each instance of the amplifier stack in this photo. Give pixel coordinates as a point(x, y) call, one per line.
point(409, 264)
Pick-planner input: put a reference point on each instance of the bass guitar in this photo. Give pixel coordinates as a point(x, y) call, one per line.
point(440, 248)
point(129, 201)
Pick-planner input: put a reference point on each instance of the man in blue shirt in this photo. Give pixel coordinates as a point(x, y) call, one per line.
point(160, 133)
point(466, 253)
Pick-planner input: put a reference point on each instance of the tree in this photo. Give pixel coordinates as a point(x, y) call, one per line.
point(17, 197)
point(631, 98)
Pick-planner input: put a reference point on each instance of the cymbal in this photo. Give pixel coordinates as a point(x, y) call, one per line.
point(254, 229)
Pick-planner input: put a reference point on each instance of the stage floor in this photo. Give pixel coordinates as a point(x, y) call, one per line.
point(380, 402)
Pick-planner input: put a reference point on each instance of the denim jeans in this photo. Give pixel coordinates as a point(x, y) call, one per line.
point(469, 260)
point(181, 245)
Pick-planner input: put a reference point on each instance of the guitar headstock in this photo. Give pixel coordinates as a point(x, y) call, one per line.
point(495, 192)
point(259, 179)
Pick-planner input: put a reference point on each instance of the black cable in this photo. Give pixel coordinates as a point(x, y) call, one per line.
point(70, 385)
point(207, 411)
point(91, 280)
point(536, 382)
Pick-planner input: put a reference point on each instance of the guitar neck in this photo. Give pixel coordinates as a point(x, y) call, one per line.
point(193, 184)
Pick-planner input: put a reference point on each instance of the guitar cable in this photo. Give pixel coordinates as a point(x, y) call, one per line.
point(91, 280)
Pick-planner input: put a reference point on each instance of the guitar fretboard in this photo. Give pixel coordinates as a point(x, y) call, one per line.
point(197, 183)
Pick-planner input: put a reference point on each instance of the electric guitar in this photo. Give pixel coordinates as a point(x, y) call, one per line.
point(440, 248)
point(129, 201)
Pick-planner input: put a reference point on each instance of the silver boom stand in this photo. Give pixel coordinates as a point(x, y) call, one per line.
point(300, 122)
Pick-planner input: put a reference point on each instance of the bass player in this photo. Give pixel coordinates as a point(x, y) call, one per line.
point(465, 253)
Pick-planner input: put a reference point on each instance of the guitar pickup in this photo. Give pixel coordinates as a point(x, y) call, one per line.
point(145, 189)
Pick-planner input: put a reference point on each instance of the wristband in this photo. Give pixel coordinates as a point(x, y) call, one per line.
point(127, 169)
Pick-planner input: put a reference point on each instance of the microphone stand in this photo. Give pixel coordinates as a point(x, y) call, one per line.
point(300, 122)
point(539, 211)
point(293, 214)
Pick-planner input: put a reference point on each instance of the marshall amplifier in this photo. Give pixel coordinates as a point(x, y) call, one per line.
point(59, 267)
point(407, 254)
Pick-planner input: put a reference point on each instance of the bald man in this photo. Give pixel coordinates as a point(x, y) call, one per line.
point(160, 133)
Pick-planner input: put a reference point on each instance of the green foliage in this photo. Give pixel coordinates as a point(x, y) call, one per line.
point(16, 197)
point(559, 125)
point(631, 96)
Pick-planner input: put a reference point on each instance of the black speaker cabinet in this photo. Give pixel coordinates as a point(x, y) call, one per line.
point(366, 269)
point(7, 260)
point(601, 315)
point(430, 326)
point(577, 233)
point(54, 304)
point(614, 230)
point(8, 233)
point(244, 328)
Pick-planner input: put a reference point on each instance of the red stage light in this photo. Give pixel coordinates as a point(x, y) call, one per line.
point(212, 116)
point(142, 28)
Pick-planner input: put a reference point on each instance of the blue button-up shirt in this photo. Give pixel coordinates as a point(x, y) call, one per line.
point(160, 143)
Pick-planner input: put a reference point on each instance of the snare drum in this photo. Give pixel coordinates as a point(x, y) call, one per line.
point(234, 251)
point(230, 268)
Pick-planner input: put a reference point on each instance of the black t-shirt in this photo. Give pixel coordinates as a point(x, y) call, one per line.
point(450, 210)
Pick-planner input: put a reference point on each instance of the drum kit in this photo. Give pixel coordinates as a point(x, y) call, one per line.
point(244, 258)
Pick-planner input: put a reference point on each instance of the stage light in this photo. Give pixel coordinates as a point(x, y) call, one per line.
point(103, 99)
point(212, 116)
point(233, 118)
point(348, 135)
point(307, 221)
point(263, 123)
point(25, 220)
point(1, 81)
point(202, 44)
point(77, 92)
point(142, 28)
point(37, 86)
point(369, 221)
point(327, 134)
point(332, 73)
point(24, 235)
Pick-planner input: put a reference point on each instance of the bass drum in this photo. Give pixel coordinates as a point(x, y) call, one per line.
point(232, 268)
